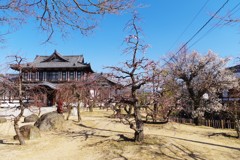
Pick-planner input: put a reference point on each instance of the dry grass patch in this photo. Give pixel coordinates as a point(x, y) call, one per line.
point(99, 137)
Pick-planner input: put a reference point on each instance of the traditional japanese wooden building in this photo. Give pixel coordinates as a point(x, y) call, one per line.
point(232, 95)
point(50, 71)
point(55, 68)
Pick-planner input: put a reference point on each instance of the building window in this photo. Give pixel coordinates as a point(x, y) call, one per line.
point(64, 78)
point(52, 76)
point(71, 75)
point(55, 76)
point(79, 75)
point(33, 76)
point(60, 76)
point(49, 76)
point(25, 76)
point(40, 76)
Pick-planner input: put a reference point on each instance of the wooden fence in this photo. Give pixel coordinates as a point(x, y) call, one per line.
point(223, 124)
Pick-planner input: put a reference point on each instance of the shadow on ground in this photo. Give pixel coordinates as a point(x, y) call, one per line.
point(206, 143)
point(222, 134)
point(8, 143)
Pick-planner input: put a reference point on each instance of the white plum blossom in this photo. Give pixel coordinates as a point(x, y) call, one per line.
point(201, 75)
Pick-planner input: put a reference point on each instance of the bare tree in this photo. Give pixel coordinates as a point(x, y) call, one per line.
point(164, 94)
point(72, 94)
point(53, 15)
point(20, 91)
point(65, 94)
point(134, 74)
point(201, 76)
point(18, 61)
point(89, 91)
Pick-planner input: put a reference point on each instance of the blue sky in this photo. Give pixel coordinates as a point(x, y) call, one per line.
point(163, 21)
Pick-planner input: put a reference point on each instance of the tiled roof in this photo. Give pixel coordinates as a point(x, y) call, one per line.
point(51, 85)
point(56, 60)
point(235, 68)
point(101, 78)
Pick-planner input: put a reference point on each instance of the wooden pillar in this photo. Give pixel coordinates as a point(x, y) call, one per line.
point(60, 76)
point(67, 75)
point(43, 75)
point(37, 76)
point(28, 75)
point(75, 75)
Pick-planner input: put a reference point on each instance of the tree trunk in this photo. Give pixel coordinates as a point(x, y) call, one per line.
point(69, 111)
point(139, 134)
point(16, 127)
point(78, 111)
point(91, 107)
point(39, 111)
point(196, 106)
point(196, 121)
point(237, 127)
point(128, 109)
point(155, 112)
point(17, 119)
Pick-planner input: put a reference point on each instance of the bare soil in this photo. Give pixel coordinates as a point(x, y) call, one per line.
point(99, 137)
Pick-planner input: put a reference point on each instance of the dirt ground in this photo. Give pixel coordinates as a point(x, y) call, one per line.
point(99, 137)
